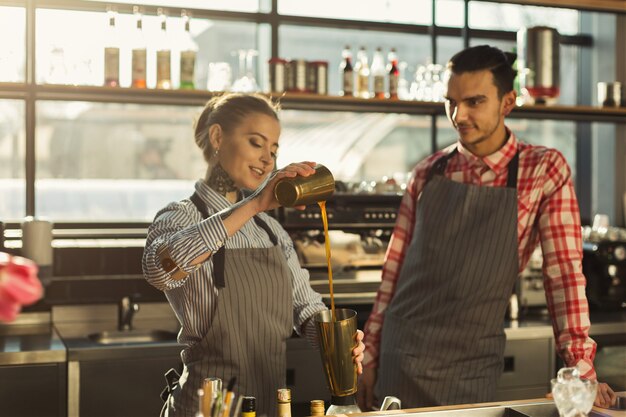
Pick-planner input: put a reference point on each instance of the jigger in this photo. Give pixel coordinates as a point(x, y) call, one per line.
point(337, 340)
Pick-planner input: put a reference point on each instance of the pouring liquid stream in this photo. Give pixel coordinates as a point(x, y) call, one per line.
point(322, 205)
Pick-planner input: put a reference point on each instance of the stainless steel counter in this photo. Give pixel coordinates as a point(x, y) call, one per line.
point(31, 340)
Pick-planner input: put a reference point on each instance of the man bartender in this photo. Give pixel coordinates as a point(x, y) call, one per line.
point(471, 217)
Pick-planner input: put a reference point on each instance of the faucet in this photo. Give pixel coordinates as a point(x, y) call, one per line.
point(126, 309)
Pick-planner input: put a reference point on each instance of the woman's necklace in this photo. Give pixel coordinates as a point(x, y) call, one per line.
point(220, 181)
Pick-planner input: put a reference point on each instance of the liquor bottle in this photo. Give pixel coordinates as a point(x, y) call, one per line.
point(317, 408)
point(284, 402)
point(139, 58)
point(248, 407)
point(188, 51)
point(163, 55)
point(379, 73)
point(362, 70)
point(346, 73)
point(111, 52)
point(393, 72)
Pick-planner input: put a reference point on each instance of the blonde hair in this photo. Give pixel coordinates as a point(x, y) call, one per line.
point(228, 110)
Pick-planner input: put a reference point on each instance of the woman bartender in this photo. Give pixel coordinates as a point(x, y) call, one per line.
point(229, 271)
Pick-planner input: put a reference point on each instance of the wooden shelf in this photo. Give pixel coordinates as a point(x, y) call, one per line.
point(612, 6)
point(293, 101)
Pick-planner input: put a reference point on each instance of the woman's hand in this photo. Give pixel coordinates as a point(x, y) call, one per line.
point(264, 196)
point(357, 353)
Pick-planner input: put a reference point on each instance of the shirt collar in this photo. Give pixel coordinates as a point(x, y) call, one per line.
point(212, 198)
point(497, 161)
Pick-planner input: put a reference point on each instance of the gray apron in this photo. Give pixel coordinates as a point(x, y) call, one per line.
point(248, 334)
point(443, 337)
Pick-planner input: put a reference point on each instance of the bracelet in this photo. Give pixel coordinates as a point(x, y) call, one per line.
point(168, 264)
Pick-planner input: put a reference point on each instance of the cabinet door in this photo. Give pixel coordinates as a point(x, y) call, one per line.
point(528, 365)
point(124, 387)
point(33, 390)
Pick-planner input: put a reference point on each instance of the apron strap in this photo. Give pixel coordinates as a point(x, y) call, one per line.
point(219, 256)
point(439, 167)
point(511, 179)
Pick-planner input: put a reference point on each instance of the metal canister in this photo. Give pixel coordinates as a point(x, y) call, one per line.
point(538, 61)
point(296, 75)
point(300, 191)
point(311, 76)
point(318, 77)
point(277, 74)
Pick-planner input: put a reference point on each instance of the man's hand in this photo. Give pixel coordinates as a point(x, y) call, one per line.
point(605, 397)
point(365, 394)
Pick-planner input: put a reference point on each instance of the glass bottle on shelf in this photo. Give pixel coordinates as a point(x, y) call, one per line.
point(111, 51)
point(362, 70)
point(393, 72)
point(378, 73)
point(284, 402)
point(346, 72)
point(163, 55)
point(139, 55)
point(188, 52)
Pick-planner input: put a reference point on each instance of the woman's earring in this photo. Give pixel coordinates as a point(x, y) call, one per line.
point(216, 153)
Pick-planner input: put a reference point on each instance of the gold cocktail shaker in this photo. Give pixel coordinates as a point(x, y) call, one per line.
point(337, 340)
point(300, 191)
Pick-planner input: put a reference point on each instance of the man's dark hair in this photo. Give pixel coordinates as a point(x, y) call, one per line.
point(485, 57)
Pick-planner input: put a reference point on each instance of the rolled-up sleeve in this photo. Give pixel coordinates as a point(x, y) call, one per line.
point(187, 236)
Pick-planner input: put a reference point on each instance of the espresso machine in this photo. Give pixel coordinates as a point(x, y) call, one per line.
point(604, 266)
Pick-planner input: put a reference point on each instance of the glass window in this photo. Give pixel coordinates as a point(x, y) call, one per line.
point(355, 146)
point(12, 47)
point(396, 11)
point(113, 162)
point(450, 13)
point(231, 5)
point(447, 46)
point(486, 15)
point(66, 56)
point(12, 156)
point(323, 43)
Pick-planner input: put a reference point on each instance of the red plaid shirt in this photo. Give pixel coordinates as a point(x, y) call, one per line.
point(547, 212)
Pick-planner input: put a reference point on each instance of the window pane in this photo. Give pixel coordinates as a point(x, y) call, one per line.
point(232, 5)
point(450, 13)
point(65, 56)
point(323, 44)
point(355, 146)
point(102, 162)
point(447, 47)
point(12, 156)
point(395, 11)
point(513, 16)
point(12, 46)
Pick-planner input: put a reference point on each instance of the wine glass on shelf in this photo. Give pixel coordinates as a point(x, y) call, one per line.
point(246, 81)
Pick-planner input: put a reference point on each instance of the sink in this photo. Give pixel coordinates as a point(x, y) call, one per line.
point(131, 336)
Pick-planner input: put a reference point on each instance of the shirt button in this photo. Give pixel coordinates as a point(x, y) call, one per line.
point(219, 243)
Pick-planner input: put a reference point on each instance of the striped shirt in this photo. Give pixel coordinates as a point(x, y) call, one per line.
point(547, 212)
point(194, 298)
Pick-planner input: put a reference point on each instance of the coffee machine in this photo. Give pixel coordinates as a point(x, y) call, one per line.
point(604, 266)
